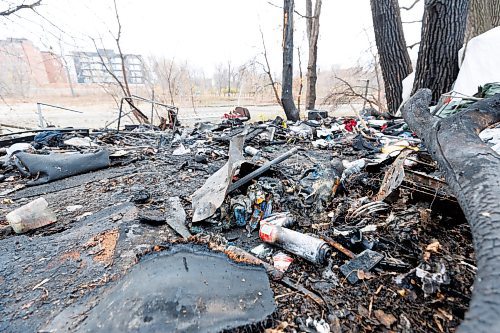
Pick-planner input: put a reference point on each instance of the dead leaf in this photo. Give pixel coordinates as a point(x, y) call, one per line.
point(425, 215)
point(385, 319)
point(433, 247)
point(363, 311)
point(403, 292)
point(440, 327)
point(279, 329)
point(362, 275)
point(443, 314)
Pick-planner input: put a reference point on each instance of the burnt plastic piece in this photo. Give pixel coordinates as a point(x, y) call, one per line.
point(316, 115)
point(151, 216)
point(185, 289)
point(365, 261)
point(52, 167)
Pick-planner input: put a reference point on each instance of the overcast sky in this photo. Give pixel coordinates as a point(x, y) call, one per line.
point(202, 32)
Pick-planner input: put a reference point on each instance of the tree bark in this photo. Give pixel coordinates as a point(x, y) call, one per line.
point(483, 15)
point(291, 111)
point(443, 30)
point(472, 174)
point(394, 58)
point(312, 21)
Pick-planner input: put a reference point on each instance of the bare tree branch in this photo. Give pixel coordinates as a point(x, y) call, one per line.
point(267, 69)
point(410, 22)
point(295, 11)
point(14, 9)
point(413, 45)
point(353, 92)
point(117, 40)
point(411, 6)
point(106, 67)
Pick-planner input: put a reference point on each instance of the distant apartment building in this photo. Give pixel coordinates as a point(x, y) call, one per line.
point(26, 70)
point(24, 66)
point(101, 66)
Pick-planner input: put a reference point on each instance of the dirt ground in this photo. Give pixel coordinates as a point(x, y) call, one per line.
point(99, 113)
point(51, 277)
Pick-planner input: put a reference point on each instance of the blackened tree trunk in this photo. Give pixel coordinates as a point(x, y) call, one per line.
point(286, 93)
point(394, 58)
point(312, 21)
point(483, 16)
point(443, 30)
point(472, 174)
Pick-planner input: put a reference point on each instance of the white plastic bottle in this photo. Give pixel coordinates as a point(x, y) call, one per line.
point(33, 215)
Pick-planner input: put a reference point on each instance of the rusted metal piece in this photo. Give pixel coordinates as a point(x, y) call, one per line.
point(430, 185)
point(348, 253)
point(290, 284)
point(239, 255)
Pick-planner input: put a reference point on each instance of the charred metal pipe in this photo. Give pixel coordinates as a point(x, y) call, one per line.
point(237, 184)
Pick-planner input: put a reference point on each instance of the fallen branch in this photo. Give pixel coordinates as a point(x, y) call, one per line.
point(472, 171)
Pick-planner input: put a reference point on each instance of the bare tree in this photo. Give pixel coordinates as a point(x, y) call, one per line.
point(220, 76)
point(394, 58)
point(312, 21)
point(141, 117)
point(165, 73)
point(191, 90)
point(15, 8)
point(229, 77)
point(344, 92)
point(443, 32)
point(288, 103)
point(301, 80)
point(170, 81)
point(118, 45)
point(267, 70)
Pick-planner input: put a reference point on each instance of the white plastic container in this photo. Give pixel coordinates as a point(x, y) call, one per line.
point(33, 215)
point(352, 167)
point(251, 151)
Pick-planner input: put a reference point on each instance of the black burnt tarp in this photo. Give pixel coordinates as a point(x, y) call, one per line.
point(184, 289)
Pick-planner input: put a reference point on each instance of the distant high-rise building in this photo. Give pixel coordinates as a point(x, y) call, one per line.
point(101, 66)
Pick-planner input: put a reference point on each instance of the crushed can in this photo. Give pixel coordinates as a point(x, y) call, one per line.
point(308, 247)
